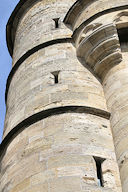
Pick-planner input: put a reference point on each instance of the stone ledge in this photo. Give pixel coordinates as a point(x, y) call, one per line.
point(46, 113)
point(80, 5)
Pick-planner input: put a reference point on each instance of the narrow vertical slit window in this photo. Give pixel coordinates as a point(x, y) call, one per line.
point(56, 78)
point(56, 20)
point(56, 74)
point(99, 162)
point(123, 38)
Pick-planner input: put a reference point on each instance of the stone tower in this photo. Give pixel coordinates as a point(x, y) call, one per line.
point(66, 126)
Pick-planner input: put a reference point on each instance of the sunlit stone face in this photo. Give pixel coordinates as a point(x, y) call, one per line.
point(66, 119)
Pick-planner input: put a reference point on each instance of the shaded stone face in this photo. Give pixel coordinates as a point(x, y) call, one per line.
point(66, 119)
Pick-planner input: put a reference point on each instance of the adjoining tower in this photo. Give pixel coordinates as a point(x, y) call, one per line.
point(65, 93)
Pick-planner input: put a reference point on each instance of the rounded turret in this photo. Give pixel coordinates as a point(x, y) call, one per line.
point(60, 97)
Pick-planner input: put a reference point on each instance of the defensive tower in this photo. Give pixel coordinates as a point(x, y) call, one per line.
point(67, 100)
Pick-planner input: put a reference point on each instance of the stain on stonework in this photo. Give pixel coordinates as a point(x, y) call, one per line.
point(88, 178)
point(73, 139)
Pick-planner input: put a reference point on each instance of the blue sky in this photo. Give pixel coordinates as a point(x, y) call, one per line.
point(6, 8)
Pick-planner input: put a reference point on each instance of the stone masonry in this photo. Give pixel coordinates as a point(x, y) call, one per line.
point(66, 125)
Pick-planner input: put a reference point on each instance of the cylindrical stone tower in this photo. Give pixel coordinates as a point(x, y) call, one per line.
point(67, 89)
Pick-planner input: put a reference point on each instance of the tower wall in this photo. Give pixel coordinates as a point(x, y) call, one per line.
point(102, 44)
point(37, 25)
point(57, 134)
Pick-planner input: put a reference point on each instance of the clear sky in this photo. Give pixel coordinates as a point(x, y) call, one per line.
point(6, 8)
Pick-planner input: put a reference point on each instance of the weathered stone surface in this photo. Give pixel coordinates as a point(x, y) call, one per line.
point(86, 9)
point(38, 26)
point(59, 147)
point(101, 49)
point(33, 88)
point(64, 82)
point(115, 86)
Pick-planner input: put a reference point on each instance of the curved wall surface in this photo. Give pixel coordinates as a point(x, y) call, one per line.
point(101, 41)
point(59, 97)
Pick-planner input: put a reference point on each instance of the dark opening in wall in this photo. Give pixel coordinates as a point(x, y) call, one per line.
point(56, 20)
point(123, 38)
point(56, 74)
point(99, 162)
